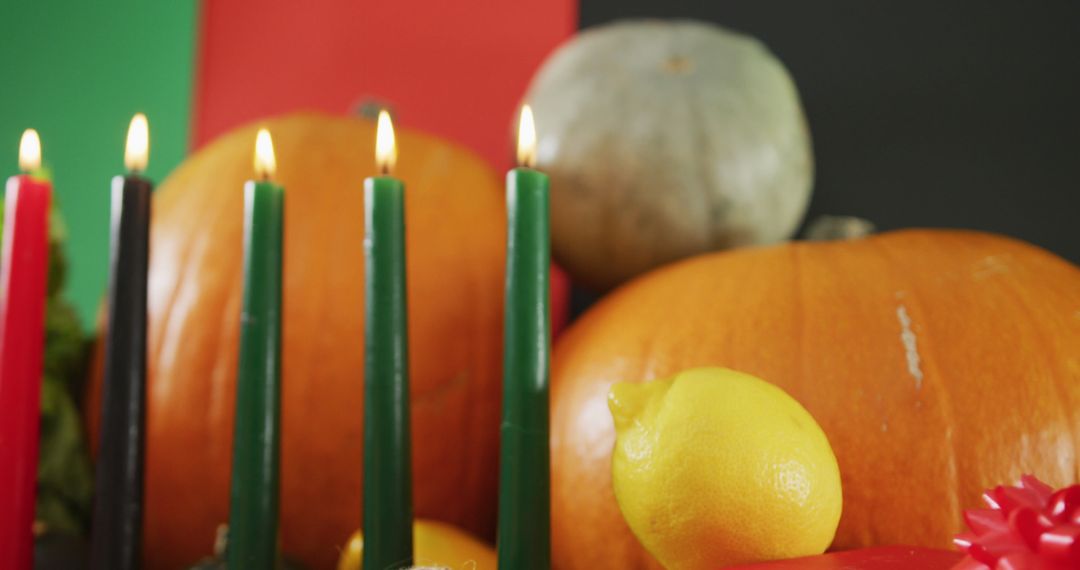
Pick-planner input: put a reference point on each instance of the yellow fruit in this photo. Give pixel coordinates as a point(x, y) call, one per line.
point(435, 544)
point(714, 467)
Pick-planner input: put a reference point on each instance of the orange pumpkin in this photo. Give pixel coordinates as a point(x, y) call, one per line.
point(939, 363)
point(455, 233)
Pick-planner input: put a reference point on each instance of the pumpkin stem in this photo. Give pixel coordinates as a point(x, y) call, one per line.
point(369, 108)
point(829, 228)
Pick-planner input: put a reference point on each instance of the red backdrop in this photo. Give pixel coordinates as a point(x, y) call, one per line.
point(452, 68)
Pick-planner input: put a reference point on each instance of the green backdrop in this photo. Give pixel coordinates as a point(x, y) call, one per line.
point(76, 71)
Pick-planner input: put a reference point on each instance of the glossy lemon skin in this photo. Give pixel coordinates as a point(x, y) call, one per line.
point(713, 467)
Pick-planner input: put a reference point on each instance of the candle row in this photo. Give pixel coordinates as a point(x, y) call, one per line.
point(387, 514)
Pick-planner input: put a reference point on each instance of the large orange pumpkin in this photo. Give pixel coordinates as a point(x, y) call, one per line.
point(939, 363)
point(455, 234)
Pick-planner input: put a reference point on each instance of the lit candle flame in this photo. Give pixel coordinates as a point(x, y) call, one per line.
point(385, 148)
point(526, 146)
point(137, 149)
point(29, 151)
point(265, 164)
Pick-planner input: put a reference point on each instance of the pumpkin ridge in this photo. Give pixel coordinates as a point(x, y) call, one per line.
point(189, 249)
point(799, 318)
point(227, 305)
point(184, 254)
point(930, 367)
point(318, 301)
point(228, 310)
point(295, 392)
point(191, 252)
point(227, 365)
point(1047, 340)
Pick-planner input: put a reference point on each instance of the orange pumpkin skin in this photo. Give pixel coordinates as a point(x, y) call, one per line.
point(455, 234)
point(939, 363)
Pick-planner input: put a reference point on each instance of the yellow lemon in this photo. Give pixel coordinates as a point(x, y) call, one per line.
point(714, 467)
point(435, 545)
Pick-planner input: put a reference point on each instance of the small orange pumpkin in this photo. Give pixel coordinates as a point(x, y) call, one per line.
point(456, 236)
point(939, 363)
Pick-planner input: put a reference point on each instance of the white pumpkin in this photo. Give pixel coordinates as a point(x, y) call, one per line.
point(665, 139)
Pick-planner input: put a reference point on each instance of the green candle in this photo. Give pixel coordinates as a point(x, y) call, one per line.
point(253, 511)
point(524, 538)
point(387, 520)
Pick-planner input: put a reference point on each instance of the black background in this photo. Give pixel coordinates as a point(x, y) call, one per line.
point(926, 113)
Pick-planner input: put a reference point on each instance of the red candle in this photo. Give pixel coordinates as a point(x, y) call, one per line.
point(23, 275)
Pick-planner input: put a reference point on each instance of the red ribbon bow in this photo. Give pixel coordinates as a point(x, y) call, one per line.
point(1027, 527)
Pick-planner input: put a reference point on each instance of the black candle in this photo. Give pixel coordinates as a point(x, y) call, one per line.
point(118, 502)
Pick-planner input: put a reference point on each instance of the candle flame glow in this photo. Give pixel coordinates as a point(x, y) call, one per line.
point(385, 147)
point(137, 149)
point(265, 163)
point(526, 146)
point(29, 151)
